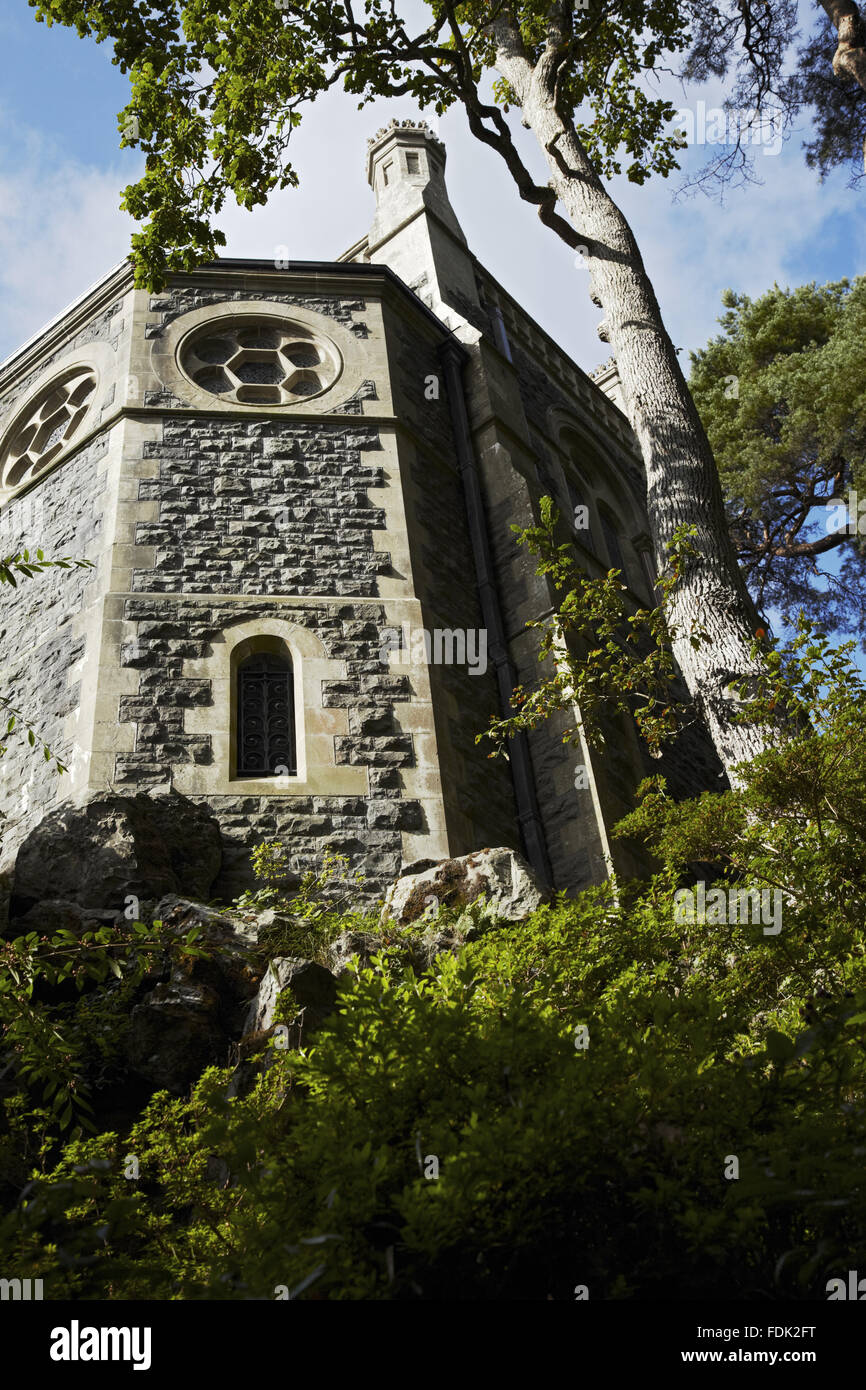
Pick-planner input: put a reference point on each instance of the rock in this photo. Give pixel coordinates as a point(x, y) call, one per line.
point(177, 1031)
point(109, 847)
point(313, 989)
point(218, 926)
point(5, 895)
point(51, 915)
point(420, 947)
point(500, 876)
point(274, 925)
point(232, 966)
point(418, 866)
point(192, 1019)
point(353, 945)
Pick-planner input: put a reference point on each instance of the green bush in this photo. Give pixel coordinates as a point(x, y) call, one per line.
point(609, 1094)
point(558, 1164)
point(310, 916)
point(65, 1001)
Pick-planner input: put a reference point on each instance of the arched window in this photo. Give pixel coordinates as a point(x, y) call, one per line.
point(649, 569)
point(581, 511)
point(266, 716)
point(611, 540)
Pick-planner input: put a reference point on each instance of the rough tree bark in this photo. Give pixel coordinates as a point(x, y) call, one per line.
point(683, 482)
point(849, 60)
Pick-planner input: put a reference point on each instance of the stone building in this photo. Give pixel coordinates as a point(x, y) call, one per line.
point(285, 475)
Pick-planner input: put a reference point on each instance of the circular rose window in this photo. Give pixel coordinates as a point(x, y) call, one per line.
point(46, 427)
point(265, 362)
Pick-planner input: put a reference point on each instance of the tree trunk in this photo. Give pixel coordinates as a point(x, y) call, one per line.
point(682, 479)
point(849, 60)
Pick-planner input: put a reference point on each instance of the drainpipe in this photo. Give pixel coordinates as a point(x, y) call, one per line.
point(453, 359)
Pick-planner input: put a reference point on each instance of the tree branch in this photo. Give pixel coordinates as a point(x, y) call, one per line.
point(542, 196)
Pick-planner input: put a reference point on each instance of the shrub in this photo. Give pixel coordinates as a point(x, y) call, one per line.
point(606, 1095)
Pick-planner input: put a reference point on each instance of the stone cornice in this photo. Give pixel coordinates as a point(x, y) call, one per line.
point(304, 277)
point(348, 279)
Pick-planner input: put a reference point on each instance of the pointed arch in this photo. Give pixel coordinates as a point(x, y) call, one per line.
point(595, 477)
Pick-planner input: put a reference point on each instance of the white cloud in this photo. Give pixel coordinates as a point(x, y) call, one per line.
point(61, 230)
point(783, 230)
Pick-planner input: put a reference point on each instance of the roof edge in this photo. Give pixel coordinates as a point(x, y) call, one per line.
point(98, 287)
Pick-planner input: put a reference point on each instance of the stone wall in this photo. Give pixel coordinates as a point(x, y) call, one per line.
point(262, 506)
point(323, 522)
point(479, 792)
point(181, 299)
point(109, 325)
point(40, 640)
point(171, 631)
point(546, 394)
point(271, 506)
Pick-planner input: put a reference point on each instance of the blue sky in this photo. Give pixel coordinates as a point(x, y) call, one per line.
point(61, 172)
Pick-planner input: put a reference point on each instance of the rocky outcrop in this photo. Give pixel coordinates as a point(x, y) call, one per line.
point(190, 1019)
point(108, 848)
point(231, 941)
point(312, 993)
point(500, 877)
point(354, 946)
point(354, 950)
point(176, 1031)
point(79, 867)
point(311, 987)
point(52, 915)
